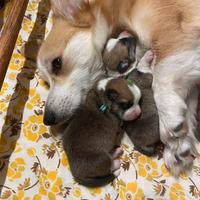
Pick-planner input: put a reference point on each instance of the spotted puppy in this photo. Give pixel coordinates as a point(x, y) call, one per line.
point(122, 56)
point(95, 130)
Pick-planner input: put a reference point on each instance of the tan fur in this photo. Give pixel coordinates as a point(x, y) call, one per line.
point(166, 26)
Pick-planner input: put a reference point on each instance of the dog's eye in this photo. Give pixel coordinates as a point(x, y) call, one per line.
point(56, 65)
point(126, 105)
point(123, 66)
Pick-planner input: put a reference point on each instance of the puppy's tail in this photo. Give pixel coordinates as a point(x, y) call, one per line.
point(97, 181)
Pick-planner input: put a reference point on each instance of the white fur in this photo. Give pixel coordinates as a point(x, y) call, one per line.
point(111, 44)
point(173, 79)
point(103, 83)
point(136, 92)
point(43, 72)
point(101, 31)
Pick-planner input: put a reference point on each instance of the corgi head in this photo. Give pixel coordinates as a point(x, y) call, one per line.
point(70, 60)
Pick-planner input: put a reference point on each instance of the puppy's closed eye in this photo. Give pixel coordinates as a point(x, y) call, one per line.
point(123, 66)
point(56, 65)
point(112, 94)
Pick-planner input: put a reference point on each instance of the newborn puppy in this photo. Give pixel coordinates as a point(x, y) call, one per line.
point(144, 131)
point(95, 131)
point(121, 58)
point(121, 55)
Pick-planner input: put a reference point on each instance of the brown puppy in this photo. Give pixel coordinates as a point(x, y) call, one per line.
point(120, 58)
point(95, 130)
point(144, 131)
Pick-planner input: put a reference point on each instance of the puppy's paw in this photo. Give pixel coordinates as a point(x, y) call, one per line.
point(115, 167)
point(116, 153)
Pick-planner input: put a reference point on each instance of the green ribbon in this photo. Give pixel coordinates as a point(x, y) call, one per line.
point(103, 108)
point(130, 82)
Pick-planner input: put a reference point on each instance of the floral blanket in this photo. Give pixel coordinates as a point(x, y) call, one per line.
point(33, 164)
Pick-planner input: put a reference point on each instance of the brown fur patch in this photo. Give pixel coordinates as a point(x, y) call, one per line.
point(121, 87)
point(113, 58)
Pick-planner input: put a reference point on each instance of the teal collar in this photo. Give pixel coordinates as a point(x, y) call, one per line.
point(103, 108)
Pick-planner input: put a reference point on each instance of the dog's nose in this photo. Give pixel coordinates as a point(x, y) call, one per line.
point(49, 118)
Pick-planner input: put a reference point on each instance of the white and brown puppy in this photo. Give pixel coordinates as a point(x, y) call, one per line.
point(95, 130)
point(70, 59)
point(122, 54)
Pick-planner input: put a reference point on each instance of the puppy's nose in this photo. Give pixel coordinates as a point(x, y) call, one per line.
point(49, 118)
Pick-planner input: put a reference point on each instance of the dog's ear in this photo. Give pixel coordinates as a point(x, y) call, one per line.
point(76, 12)
point(66, 8)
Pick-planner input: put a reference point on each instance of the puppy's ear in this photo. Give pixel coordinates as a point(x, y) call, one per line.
point(76, 12)
point(112, 94)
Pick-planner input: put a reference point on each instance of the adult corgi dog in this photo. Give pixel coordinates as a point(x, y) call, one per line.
point(70, 60)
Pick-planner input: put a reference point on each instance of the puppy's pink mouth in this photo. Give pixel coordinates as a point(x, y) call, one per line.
point(124, 34)
point(132, 114)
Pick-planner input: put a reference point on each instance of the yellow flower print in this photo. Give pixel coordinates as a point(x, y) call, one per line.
point(20, 195)
point(4, 88)
point(33, 102)
point(31, 151)
point(176, 192)
point(32, 6)
point(130, 192)
point(17, 62)
point(43, 84)
point(147, 167)
point(37, 197)
point(19, 41)
point(50, 185)
point(95, 191)
point(3, 107)
point(33, 128)
point(12, 76)
point(32, 92)
point(77, 192)
point(27, 25)
point(15, 169)
point(64, 159)
point(16, 147)
point(165, 171)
